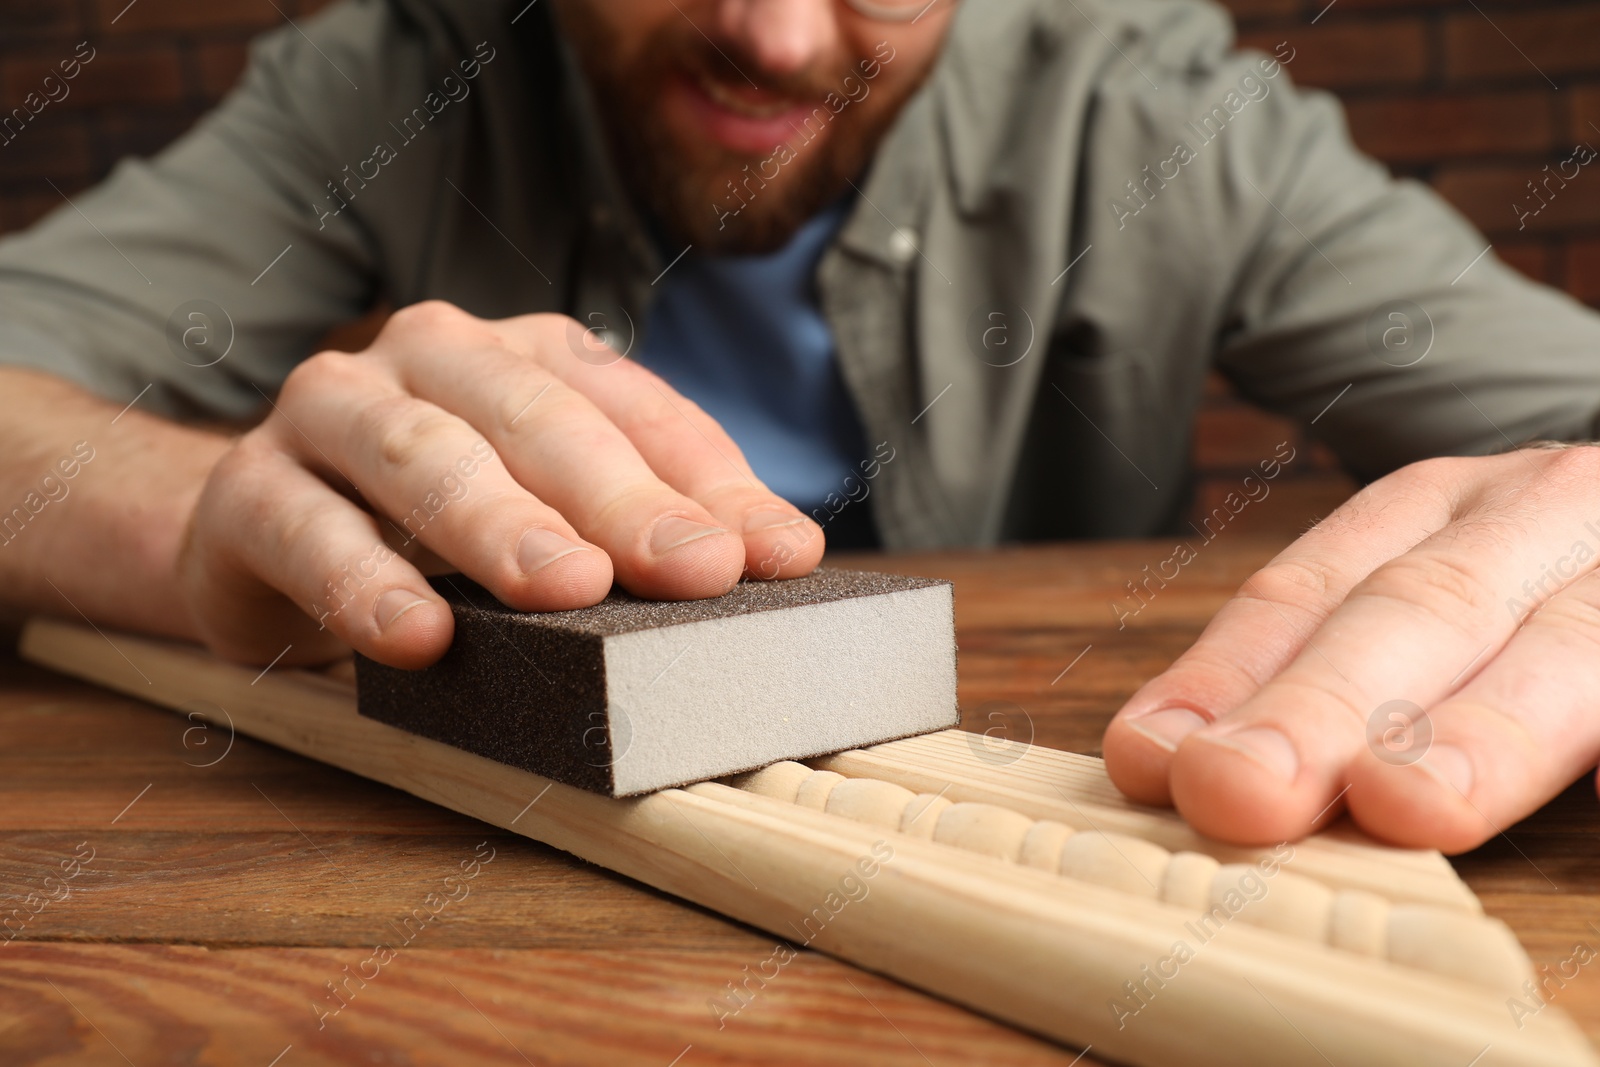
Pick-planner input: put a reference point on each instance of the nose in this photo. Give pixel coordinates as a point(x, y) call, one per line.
point(784, 37)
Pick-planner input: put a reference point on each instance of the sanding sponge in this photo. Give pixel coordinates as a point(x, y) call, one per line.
point(631, 695)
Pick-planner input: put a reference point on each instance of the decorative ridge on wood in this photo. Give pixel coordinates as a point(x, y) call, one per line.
point(1044, 783)
point(1446, 941)
point(1068, 959)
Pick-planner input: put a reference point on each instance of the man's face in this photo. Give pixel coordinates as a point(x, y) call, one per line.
point(734, 121)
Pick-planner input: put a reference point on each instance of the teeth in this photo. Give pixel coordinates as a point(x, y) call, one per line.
point(724, 98)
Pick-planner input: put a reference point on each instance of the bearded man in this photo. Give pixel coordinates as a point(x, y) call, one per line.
point(687, 289)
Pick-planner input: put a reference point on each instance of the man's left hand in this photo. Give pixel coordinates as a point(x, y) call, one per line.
point(1427, 657)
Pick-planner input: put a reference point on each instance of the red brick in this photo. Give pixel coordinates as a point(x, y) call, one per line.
point(117, 16)
point(1558, 40)
point(19, 211)
point(1423, 128)
point(1351, 55)
point(1255, 9)
point(1586, 114)
point(1532, 258)
point(54, 146)
point(148, 75)
point(1486, 195)
point(1344, 7)
point(32, 16)
point(138, 132)
point(220, 64)
point(1583, 270)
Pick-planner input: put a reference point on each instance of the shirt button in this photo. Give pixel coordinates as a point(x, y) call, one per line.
point(902, 246)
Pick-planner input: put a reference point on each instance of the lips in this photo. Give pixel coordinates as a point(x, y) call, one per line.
point(738, 117)
point(747, 102)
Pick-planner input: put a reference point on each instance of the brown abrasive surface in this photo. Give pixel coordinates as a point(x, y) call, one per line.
point(528, 689)
point(530, 696)
point(621, 612)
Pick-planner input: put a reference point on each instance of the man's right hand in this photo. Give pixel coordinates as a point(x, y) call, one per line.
point(519, 452)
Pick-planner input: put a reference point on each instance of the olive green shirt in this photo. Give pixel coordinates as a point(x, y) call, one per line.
point(1088, 205)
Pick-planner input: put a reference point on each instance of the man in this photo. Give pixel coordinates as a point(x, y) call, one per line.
point(951, 273)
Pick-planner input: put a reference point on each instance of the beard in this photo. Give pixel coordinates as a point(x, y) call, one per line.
point(699, 191)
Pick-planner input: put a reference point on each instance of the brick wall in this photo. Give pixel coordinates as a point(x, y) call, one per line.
point(1474, 99)
point(157, 65)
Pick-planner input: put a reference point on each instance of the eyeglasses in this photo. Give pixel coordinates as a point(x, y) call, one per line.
point(891, 10)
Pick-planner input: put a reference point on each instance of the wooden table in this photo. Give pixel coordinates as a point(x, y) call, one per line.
point(230, 885)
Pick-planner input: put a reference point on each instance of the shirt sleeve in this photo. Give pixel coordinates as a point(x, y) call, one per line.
point(199, 278)
point(1369, 308)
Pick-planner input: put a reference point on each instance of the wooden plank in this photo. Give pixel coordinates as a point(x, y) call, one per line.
point(1007, 940)
point(67, 1005)
point(236, 889)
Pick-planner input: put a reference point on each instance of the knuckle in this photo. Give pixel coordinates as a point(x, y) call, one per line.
point(553, 326)
point(1289, 582)
point(1574, 611)
point(1576, 467)
point(541, 338)
point(289, 530)
point(234, 483)
point(375, 420)
point(405, 432)
point(566, 415)
point(1319, 698)
point(740, 496)
point(1445, 481)
point(1207, 677)
point(1578, 618)
point(312, 376)
point(538, 398)
point(668, 414)
point(1442, 585)
point(233, 467)
point(1511, 725)
point(661, 420)
point(634, 506)
point(1434, 471)
point(428, 316)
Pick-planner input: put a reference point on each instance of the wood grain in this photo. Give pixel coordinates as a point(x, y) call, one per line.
point(108, 1005)
point(1052, 952)
point(74, 757)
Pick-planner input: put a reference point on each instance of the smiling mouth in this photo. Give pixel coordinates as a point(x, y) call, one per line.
point(744, 101)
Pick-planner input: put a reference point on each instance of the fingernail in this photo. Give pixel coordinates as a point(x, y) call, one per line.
point(674, 532)
point(540, 548)
point(1451, 766)
point(1168, 727)
point(393, 604)
point(770, 519)
point(1266, 746)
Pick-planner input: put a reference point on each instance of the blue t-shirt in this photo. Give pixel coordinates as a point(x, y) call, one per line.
point(744, 337)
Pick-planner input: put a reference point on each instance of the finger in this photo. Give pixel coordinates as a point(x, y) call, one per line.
point(436, 480)
point(1513, 737)
point(685, 447)
point(556, 443)
point(1408, 631)
point(273, 530)
point(1265, 625)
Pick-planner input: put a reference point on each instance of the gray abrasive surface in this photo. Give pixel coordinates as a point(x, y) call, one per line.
point(631, 695)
